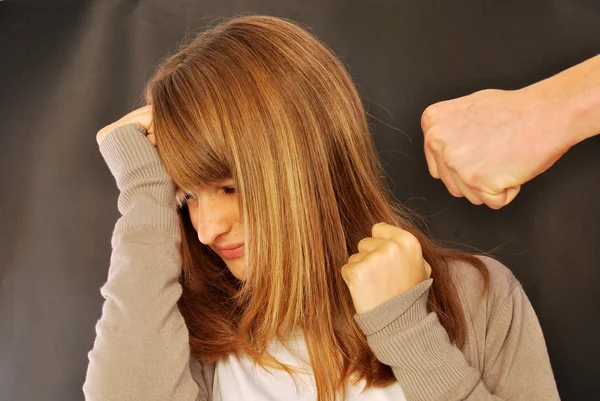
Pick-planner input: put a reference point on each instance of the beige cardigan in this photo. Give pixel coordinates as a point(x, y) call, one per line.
point(141, 351)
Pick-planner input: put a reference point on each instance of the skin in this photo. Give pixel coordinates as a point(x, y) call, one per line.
point(485, 145)
point(142, 116)
point(213, 209)
point(387, 263)
point(215, 215)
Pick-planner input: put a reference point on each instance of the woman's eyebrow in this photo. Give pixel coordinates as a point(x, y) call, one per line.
point(220, 183)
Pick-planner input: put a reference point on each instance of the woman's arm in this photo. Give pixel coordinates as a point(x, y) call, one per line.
point(141, 350)
point(429, 367)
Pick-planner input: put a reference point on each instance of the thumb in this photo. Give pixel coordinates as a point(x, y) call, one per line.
point(499, 200)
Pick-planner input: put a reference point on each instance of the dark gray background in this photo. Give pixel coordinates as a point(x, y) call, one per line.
point(69, 68)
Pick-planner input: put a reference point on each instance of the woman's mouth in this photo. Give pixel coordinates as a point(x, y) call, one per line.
point(232, 253)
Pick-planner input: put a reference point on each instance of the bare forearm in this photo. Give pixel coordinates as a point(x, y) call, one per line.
point(572, 100)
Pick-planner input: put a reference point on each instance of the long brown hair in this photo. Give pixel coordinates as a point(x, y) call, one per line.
point(261, 100)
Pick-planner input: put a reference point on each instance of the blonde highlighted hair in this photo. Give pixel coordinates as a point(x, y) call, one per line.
point(261, 100)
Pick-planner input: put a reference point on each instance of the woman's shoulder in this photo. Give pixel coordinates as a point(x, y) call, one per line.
point(470, 284)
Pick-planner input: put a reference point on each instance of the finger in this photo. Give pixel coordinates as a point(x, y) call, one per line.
point(511, 194)
point(151, 139)
point(384, 231)
point(387, 232)
point(151, 127)
point(347, 272)
point(141, 110)
point(499, 200)
point(431, 164)
point(146, 120)
point(466, 190)
point(447, 178)
point(494, 201)
point(357, 257)
point(433, 114)
point(432, 145)
point(427, 269)
point(369, 244)
point(142, 115)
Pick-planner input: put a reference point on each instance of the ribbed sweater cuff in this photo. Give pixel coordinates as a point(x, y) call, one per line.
point(403, 310)
point(413, 342)
point(147, 192)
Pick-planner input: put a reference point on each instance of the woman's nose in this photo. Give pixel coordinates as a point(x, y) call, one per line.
point(212, 220)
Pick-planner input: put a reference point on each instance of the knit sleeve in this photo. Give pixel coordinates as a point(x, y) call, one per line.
point(141, 350)
point(429, 367)
point(517, 365)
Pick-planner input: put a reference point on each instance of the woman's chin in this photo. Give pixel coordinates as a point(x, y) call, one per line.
point(238, 269)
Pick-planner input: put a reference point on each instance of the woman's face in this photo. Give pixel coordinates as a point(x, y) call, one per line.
point(215, 215)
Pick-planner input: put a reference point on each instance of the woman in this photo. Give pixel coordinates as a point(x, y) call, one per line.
point(260, 255)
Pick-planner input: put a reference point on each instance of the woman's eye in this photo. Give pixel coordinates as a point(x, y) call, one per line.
point(229, 190)
point(183, 199)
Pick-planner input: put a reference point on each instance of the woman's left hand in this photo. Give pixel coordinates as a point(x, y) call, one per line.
point(387, 264)
point(142, 116)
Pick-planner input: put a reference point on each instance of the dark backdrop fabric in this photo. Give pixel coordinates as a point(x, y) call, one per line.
point(69, 68)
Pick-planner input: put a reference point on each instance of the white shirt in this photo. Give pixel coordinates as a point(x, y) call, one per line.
point(241, 379)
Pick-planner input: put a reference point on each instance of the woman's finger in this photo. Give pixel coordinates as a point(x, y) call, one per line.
point(369, 244)
point(357, 257)
point(427, 269)
point(151, 139)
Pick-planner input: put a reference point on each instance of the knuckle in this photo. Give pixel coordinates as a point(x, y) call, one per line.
point(351, 274)
point(455, 158)
point(410, 242)
point(472, 177)
point(344, 272)
point(355, 275)
point(451, 186)
point(389, 248)
point(449, 158)
point(430, 114)
point(379, 225)
point(434, 140)
point(467, 175)
point(455, 192)
point(476, 200)
point(362, 273)
point(426, 119)
point(377, 228)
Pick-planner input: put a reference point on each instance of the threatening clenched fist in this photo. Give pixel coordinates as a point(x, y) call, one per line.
point(484, 146)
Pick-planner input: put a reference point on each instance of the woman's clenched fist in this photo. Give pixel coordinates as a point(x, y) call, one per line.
point(142, 116)
point(387, 264)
